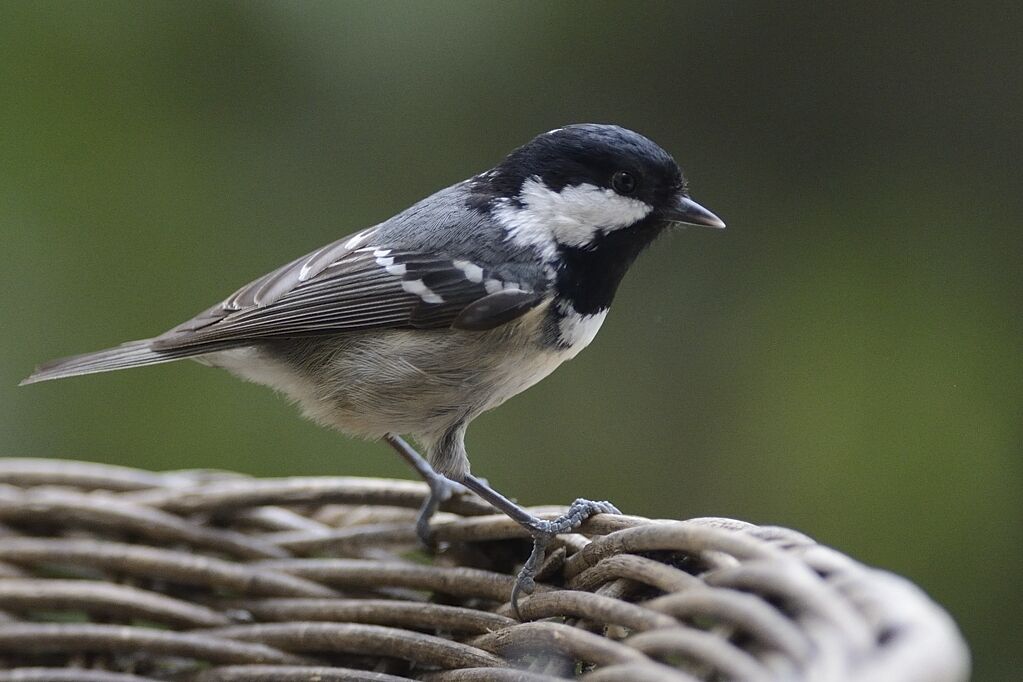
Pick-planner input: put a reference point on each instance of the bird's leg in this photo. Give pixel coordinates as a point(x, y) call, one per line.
point(441, 488)
point(542, 530)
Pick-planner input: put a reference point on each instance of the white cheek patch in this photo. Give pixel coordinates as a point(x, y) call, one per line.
point(573, 216)
point(526, 229)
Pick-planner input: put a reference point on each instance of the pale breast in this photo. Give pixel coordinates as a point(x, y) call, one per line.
point(414, 382)
point(577, 331)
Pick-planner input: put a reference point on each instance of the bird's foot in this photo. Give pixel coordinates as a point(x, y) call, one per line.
point(441, 487)
point(543, 533)
point(441, 490)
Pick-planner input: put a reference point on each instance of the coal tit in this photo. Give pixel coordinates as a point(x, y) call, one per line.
point(422, 322)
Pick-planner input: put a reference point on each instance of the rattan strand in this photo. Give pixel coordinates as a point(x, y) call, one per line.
point(109, 574)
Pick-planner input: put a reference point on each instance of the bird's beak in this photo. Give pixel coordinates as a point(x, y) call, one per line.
point(688, 212)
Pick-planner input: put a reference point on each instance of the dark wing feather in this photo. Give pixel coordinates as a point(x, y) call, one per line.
point(275, 284)
point(346, 286)
point(494, 310)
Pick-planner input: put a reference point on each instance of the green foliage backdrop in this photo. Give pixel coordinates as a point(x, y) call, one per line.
point(844, 359)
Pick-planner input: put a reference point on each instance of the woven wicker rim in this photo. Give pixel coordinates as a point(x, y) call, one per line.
point(110, 574)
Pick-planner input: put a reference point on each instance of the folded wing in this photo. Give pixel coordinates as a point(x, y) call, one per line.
point(344, 286)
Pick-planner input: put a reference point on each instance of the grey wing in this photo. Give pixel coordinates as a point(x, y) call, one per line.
point(345, 286)
point(273, 285)
point(348, 285)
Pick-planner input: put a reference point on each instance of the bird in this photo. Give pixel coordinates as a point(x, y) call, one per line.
point(415, 326)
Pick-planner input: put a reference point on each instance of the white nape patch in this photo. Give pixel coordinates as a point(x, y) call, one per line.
point(573, 217)
point(473, 272)
point(576, 330)
point(417, 287)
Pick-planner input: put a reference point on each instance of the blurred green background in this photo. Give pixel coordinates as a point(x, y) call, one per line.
point(843, 359)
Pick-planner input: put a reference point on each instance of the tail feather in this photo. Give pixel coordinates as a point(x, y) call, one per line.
point(131, 354)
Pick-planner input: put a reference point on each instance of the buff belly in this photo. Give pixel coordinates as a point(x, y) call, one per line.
point(421, 383)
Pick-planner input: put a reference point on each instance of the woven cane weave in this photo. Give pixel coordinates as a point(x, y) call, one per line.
point(110, 574)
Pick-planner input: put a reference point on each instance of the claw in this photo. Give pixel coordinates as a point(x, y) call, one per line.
point(441, 490)
point(543, 533)
point(524, 582)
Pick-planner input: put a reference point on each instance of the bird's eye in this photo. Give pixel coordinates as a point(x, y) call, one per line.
point(623, 182)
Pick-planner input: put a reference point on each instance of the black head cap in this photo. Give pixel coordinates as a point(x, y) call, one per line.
point(607, 156)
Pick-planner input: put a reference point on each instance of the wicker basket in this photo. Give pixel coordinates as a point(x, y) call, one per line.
point(110, 574)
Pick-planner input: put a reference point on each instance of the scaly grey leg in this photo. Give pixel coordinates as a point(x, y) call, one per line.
point(441, 488)
point(543, 531)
